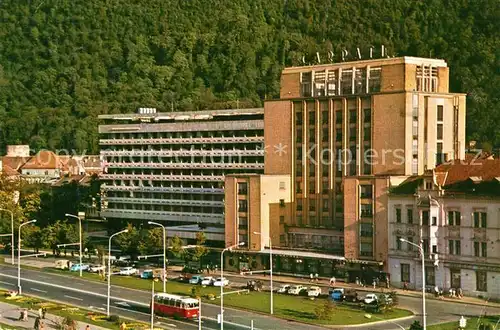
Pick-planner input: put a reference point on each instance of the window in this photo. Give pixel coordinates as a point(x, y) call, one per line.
point(367, 133)
point(366, 191)
point(306, 83)
point(326, 205)
point(434, 221)
point(481, 281)
point(282, 185)
point(282, 219)
point(425, 245)
point(242, 188)
point(398, 242)
point(374, 80)
point(338, 117)
point(353, 116)
point(366, 210)
point(440, 113)
point(346, 82)
point(366, 249)
point(409, 215)
point(479, 219)
point(484, 249)
point(430, 275)
point(409, 246)
point(299, 205)
point(312, 205)
point(439, 131)
point(319, 83)
point(398, 215)
point(454, 247)
point(425, 218)
point(434, 249)
point(405, 273)
point(332, 82)
point(282, 203)
point(312, 117)
point(324, 117)
point(243, 221)
point(367, 115)
point(360, 81)
point(480, 249)
point(282, 239)
point(453, 218)
point(242, 206)
point(366, 229)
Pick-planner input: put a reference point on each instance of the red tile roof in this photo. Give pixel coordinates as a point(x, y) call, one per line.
point(14, 163)
point(458, 171)
point(44, 160)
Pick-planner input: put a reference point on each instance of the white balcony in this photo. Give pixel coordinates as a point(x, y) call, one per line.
point(107, 187)
point(157, 201)
point(164, 216)
point(180, 153)
point(188, 165)
point(203, 178)
point(199, 140)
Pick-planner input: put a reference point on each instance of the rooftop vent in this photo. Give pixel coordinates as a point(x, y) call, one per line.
point(143, 111)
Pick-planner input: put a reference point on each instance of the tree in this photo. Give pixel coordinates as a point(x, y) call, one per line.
point(32, 237)
point(151, 241)
point(325, 311)
point(177, 247)
point(200, 250)
point(129, 242)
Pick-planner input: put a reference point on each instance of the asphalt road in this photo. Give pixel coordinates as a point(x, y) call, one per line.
point(437, 311)
point(129, 302)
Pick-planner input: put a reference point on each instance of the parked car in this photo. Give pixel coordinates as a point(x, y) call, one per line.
point(96, 268)
point(370, 298)
point(283, 288)
point(128, 271)
point(77, 267)
point(62, 264)
point(337, 294)
point(254, 285)
point(314, 291)
point(152, 273)
point(297, 289)
point(209, 280)
point(196, 279)
point(221, 281)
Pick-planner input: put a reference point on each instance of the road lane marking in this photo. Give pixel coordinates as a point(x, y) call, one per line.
point(75, 298)
point(6, 283)
point(38, 290)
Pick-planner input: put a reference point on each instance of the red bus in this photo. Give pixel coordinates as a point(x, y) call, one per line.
point(178, 306)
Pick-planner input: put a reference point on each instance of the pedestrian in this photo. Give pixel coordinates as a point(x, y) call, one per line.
point(332, 281)
point(357, 281)
point(44, 311)
point(311, 277)
point(87, 327)
point(405, 286)
point(36, 326)
point(123, 326)
point(460, 293)
point(25, 315)
point(42, 326)
point(40, 313)
point(316, 277)
point(387, 283)
point(374, 283)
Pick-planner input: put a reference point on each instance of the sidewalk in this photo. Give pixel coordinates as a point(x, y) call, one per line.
point(9, 315)
point(325, 282)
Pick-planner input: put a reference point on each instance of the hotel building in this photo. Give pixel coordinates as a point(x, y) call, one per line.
point(170, 167)
point(344, 133)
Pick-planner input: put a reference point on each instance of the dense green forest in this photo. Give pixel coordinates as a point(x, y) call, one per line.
point(63, 62)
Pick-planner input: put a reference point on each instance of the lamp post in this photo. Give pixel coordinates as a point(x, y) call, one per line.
point(271, 267)
point(79, 238)
point(222, 282)
point(19, 255)
point(109, 267)
point(153, 304)
point(164, 253)
point(421, 249)
point(12, 234)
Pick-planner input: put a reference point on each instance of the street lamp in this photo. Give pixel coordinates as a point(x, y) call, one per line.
point(109, 266)
point(79, 237)
point(153, 303)
point(12, 234)
point(164, 253)
point(271, 267)
point(19, 255)
point(421, 249)
point(222, 282)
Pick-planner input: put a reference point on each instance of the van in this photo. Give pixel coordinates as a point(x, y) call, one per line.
point(62, 264)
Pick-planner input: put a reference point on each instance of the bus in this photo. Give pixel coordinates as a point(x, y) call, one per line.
point(172, 305)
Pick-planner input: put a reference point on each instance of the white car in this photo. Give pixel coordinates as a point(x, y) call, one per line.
point(314, 291)
point(96, 268)
point(128, 271)
point(209, 280)
point(283, 288)
point(296, 289)
point(221, 281)
point(370, 298)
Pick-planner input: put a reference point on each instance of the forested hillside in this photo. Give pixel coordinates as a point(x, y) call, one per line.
point(63, 62)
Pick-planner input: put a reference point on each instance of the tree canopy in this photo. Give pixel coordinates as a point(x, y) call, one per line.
point(62, 62)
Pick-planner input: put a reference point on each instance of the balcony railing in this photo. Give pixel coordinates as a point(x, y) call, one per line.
point(107, 187)
point(162, 177)
point(158, 201)
point(164, 216)
point(187, 152)
point(189, 165)
point(198, 140)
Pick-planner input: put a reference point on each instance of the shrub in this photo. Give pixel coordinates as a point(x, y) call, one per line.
point(195, 292)
point(416, 326)
point(325, 311)
point(114, 319)
point(67, 323)
point(210, 296)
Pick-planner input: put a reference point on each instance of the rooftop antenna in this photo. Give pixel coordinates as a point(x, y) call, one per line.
point(317, 56)
point(359, 53)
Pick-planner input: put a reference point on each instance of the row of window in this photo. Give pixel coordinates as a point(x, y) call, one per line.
point(454, 218)
point(188, 135)
point(325, 117)
point(454, 247)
